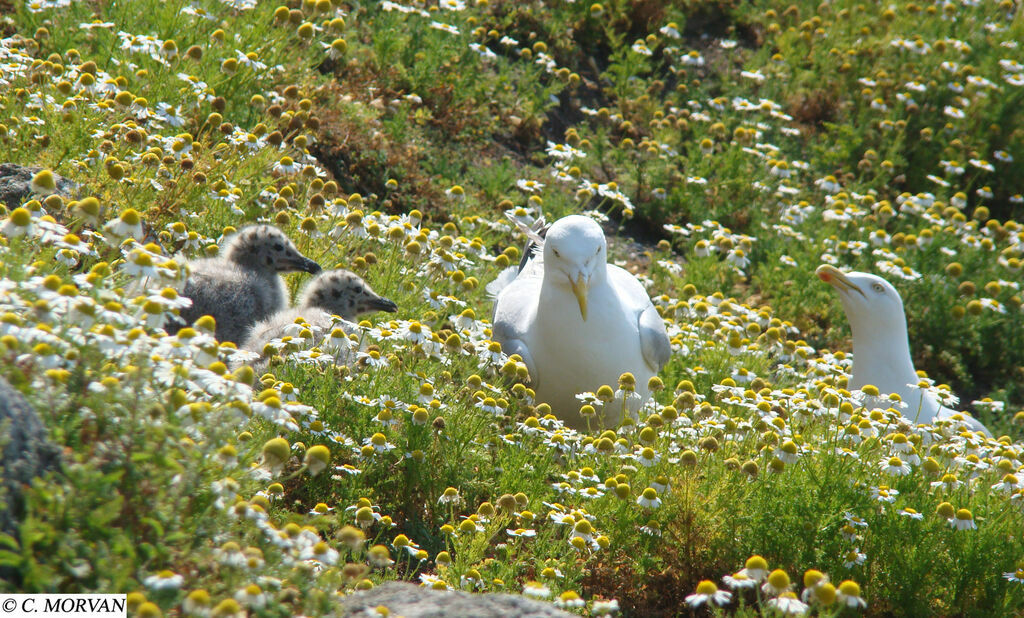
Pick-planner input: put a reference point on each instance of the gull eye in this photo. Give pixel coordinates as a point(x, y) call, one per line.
point(878, 288)
point(557, 254)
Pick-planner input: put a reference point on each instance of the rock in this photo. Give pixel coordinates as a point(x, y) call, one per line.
point(25, 453)
point(16, 181)
point(412, 601)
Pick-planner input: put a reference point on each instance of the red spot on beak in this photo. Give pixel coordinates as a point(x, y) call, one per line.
point(824, 276)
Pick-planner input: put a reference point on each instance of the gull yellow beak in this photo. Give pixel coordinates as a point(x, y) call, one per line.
point(579, 288)
point(835, 277)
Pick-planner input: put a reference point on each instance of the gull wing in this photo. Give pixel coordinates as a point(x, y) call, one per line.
point(654, 341)
point(514, 313)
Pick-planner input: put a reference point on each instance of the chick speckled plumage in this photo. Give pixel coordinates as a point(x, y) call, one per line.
point(333, 293)
point(243, 285)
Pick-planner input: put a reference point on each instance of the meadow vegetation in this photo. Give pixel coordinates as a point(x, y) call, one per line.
point(744, 143)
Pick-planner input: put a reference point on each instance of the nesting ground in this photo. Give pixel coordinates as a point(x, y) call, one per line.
point(741, 143)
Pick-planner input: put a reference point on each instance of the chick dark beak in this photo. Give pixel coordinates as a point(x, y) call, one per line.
point(309, 266)
point(383, 304)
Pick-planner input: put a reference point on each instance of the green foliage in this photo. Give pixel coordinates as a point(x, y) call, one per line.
point(755, 140)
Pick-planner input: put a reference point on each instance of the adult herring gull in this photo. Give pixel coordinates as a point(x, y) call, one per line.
point(881, 349)
point(578, 322)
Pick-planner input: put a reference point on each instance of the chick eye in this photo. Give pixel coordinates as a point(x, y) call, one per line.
point(878, 288)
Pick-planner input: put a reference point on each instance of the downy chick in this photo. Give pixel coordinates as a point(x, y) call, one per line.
point(333, 293)
point(243, 286)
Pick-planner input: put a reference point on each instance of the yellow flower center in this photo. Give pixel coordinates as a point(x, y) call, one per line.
point(778, 579)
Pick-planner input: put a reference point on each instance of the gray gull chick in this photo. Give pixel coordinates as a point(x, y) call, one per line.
point(333, 293)
point(243, 285)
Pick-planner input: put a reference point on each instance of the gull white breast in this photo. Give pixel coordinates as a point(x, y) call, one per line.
point(578, 322)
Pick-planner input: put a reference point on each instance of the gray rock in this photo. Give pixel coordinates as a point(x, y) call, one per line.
point(412, 601)
point(25, 453)
point(16, 181)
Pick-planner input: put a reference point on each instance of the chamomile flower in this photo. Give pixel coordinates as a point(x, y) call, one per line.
point(1009, 485)
point(379, 443)
point(450, 496)
point(164, 580)
point(649, 499)
point(336, 49)
point(519, 533)
point(776, 583)
point(197, 603)
point(379, 557)
point(738, 258)
point(286, 166)
point(43, 183)
point(529, 186)
point(894, 466)
point(947, 483)
point(128, 225)
point(569, 600)
point(252, 596)
point(230, 554)
point(813, 580)
point(740, 581)
point(853, 558)
point(703, 248)
point(788, 604)
point(693, 59)
point(756, 568)
point(963, 520)
point(584, 530)
point(708, 593)
point(848, 594)
point(456, 193)
point(18, 223)
point(1016, 577)
point(788, 452)
point(170, 114)
point(647, 457)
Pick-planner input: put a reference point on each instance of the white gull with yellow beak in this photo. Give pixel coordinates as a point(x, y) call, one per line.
point(579, 322)
point(881, 349)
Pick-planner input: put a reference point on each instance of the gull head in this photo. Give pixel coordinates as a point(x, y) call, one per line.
point(344, 293)
point(871, 304)
point(575, 256)
point(266, 248)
